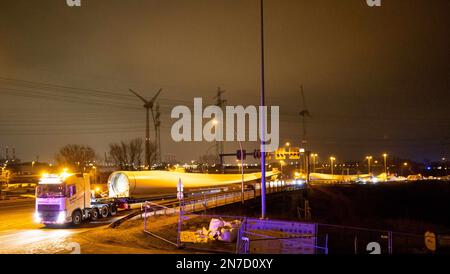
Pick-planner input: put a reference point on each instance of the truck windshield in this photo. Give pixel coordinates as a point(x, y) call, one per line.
point(50, 191)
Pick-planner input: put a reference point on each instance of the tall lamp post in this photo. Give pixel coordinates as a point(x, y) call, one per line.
point(262, 127)
point(369, 158)
point(314, 157)
point(281, 166)
point(288, 144)
point(405, 164)
point(385, 164)
point(332, 159)
point(242, 172)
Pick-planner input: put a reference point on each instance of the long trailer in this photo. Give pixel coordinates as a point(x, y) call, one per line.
point(68, 198)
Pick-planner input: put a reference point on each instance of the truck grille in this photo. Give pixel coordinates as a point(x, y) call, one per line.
point(49, 216)
point(48, 207)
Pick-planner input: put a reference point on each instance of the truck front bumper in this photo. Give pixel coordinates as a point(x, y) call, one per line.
point(51, 217)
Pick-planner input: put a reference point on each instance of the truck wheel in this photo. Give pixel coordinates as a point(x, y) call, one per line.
point(112, 210)
point(104, 211)
point(94, 214)
point(76, 218)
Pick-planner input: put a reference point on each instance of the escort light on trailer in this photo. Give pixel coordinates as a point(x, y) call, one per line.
point(50, 180)
point(47, 178)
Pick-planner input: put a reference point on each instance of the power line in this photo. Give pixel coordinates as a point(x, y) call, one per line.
point(87, 91)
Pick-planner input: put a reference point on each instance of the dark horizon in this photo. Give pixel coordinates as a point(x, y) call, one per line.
point(376, 79)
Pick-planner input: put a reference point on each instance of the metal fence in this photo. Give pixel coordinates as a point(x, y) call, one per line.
point(279, 237)
point(357, 240)
point(270, 236)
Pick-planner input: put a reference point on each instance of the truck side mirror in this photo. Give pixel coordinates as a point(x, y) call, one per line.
point(70, 191)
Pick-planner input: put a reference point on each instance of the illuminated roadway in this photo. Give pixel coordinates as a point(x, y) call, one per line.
point(19, 233)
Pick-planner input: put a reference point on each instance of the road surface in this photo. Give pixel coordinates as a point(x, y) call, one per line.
point(19, 233)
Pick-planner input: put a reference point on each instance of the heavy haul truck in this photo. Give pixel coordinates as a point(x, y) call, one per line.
point(68, 198)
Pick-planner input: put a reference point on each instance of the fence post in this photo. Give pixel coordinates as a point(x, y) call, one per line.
point(238, 241)
point(390, 242)
point(145, 218)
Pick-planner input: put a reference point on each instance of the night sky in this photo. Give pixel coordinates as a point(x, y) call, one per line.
point(376, 79)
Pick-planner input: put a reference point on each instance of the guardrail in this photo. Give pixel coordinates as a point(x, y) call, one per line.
point(194, 204)
point(198, 202)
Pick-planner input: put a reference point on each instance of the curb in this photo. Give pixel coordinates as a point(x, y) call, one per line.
point(118, 222)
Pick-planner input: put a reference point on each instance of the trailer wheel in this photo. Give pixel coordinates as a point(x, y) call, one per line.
point(94, 214)
point(104, 211)
point(112, 210)
point(76, 218)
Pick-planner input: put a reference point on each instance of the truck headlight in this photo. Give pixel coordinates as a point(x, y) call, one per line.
point(37, 217)
point(61, 217)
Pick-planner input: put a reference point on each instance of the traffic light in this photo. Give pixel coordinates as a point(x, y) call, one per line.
point(257, 154)
point(280, 154)
point(294, 153)
point(240, 156)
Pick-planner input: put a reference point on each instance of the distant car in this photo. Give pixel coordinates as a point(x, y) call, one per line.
point(416, 177)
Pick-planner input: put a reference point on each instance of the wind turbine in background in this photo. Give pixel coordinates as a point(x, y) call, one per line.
point(148, 105)
point(304, 113)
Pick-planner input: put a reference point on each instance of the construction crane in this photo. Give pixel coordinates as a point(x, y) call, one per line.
point(220, 103)
point(304, 165)
point(148, 105)
point(304, 113)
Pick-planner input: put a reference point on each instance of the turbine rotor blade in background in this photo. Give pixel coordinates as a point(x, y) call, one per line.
point(154, 97)
point(139, 96)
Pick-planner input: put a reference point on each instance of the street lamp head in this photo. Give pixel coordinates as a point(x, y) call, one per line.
point(385, 155)
point(405, 164)
point(288, 144)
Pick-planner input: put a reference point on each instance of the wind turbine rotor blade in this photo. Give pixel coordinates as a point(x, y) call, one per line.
point(139, 96)
point(156, 96)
